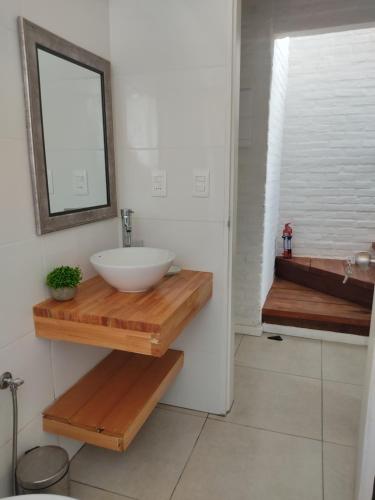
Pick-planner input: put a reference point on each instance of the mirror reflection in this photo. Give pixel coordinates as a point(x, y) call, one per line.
point(73, 133)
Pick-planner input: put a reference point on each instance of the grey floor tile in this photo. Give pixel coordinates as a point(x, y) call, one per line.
point(339, 465)
point(151, 466)
point(178, 409)
point(341, 412)
point(84, 492)
point(293, 355)
point(232, 462)
point(277, 402)
point(344, 362)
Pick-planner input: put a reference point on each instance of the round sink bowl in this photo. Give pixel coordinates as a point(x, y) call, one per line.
point(133, 269)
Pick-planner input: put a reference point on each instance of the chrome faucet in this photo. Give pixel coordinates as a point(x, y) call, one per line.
point(126, 217)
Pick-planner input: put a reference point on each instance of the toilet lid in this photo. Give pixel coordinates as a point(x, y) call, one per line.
point(41, 497)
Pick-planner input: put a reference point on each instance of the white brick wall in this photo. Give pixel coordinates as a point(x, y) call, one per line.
point(256, 61)
point(274, 160)
point(328, 168)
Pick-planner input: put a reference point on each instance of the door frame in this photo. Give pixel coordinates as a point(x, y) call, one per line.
point(231, 193)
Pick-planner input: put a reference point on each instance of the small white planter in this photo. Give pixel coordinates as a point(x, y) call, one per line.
point(66, 293)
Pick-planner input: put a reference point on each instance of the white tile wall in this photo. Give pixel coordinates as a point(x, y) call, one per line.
point(172, 71)
point(28, 358)
point(70, 362)
point(14, 161)
point(21, 287)
point(83, 22)
point(172, 101)
point(169, 35)
point(136, 181)
point(262, 20)
point(13, 127)
point(172, 109)
point(5, 470)
point(25, 258)
point(366, 444)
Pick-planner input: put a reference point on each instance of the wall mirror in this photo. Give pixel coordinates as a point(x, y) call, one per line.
point(69, 115)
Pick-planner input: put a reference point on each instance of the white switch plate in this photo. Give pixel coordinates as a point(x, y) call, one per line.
point(201, 182)
point(80, 184)
point(159, 182)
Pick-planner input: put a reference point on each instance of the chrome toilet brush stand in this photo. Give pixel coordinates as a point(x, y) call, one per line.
point(7, 381)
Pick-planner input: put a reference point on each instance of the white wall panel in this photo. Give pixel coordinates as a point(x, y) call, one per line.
point(172, 68)
point(24, 257)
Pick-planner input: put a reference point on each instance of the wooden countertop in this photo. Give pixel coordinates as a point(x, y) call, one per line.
point(145, 322)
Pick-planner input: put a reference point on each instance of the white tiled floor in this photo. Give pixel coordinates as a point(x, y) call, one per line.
point(276, 402)
point(291, 434)
point(343, 362)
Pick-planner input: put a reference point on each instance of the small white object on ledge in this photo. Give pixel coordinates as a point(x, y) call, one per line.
point(173, 270)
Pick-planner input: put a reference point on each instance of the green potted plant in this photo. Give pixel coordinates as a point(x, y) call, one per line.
point(63, 282)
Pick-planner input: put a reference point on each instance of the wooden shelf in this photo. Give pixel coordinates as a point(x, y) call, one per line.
point(109, 405)
point(145, 323)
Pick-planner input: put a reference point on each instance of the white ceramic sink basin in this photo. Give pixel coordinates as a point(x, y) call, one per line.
point(132, 269)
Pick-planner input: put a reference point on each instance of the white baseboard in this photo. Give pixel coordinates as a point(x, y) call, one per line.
point(308, 333)
point(248, 329)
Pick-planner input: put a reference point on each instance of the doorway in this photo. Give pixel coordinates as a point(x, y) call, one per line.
point(320, 178)
point(319, 148)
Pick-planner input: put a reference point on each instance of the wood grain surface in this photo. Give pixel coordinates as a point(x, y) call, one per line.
point(146, 323)
point(109, 405)
point(292, 304)
point(326, 275)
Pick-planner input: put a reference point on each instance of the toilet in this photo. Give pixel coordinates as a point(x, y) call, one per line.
point(41, 497)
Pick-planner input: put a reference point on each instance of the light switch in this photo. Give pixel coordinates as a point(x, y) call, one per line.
point(80, 184)
point(201, 183)
point(159, 182)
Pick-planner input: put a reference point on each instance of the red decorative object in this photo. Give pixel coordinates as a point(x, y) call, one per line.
point(287, 241)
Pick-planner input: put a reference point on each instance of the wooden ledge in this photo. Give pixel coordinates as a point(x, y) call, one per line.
point(326, 275)
point(291, 304)
point(145, 323)
point(109, 405)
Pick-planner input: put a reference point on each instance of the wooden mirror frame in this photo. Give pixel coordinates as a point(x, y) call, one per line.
point(33, 37)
